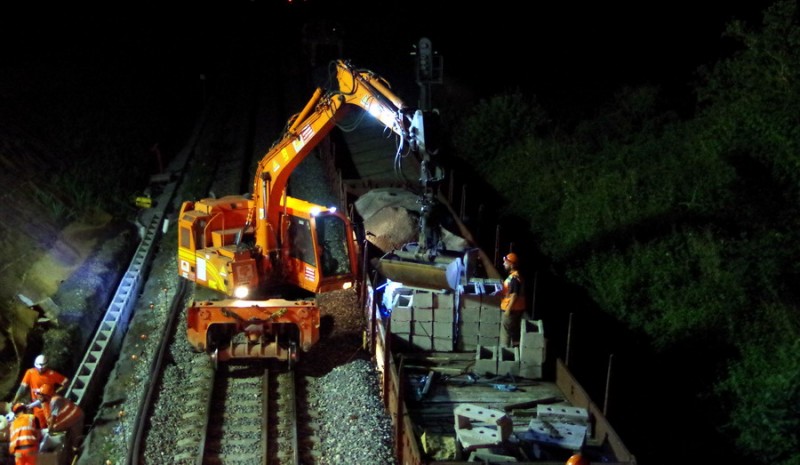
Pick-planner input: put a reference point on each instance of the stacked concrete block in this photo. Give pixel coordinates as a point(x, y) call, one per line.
point(425, 319)
point(469, 316)
point(422, 327)
point(531, 349)
point(491, 315)
point(434, 320)
point(400, 304)
point(480, 317)
point(423, 305)
point(444, 321)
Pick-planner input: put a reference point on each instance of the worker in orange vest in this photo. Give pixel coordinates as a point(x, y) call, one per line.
point(25, 436)
point(513, 302)
point(34, 378)
point(63, 415)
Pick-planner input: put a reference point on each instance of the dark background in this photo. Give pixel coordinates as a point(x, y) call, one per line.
point(567, 53)
point(571, 56)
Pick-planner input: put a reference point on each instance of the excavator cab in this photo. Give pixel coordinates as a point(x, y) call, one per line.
point(318, 247)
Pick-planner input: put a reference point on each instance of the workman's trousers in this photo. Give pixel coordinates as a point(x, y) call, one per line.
point(74, 432)
point(26, 456)
point(512, 327)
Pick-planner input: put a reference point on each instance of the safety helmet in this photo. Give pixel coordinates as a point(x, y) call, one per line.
point(46, 390)
point(40, 361)
point(577, 459)
point(18, 407)
point(511, 258)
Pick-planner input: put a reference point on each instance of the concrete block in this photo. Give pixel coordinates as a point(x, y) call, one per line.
point(478, 436)
point(532, 334)
point(534, 356)
point(423, 313)
point(565, 413)
point(491, 302)
point(422, 328)
point(470, 314)
point(443, 330)
point(466, 343)
point(423, 299)
point(490, 328)
point(422, 342)
point(478, 426)
point(443, 344)
point(402, 314)
point(569, 436)
point(466, 329)
point(491, 315)
point(485, 360)
point(400, 327)
point(560, 425)
point(444, 315)
point(491, 341)
point(402, 298)
point(530, 371)
point(508, 361)
point(444, 301)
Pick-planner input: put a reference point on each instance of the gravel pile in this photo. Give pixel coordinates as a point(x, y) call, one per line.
point(355, 427)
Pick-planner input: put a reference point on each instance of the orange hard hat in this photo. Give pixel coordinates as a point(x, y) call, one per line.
point(511, 258)
point(18, 407)
point(46, 390)
point(577, 459)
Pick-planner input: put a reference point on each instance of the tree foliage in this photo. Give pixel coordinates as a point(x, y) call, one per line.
point(682, 229)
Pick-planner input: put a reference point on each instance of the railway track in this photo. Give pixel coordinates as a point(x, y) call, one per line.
point(293, 424)
point(237, 420)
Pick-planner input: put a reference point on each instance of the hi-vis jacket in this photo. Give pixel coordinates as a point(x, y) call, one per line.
point(61, 413)
point(25, 433)
point(519, 302)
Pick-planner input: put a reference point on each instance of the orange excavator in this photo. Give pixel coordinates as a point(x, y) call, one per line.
point(262, 248)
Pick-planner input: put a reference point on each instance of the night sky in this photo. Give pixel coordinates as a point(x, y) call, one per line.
point(557, 50)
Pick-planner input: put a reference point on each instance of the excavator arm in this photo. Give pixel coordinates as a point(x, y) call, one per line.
point(356, 89)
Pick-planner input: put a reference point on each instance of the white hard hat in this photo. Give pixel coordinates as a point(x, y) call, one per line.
point(10, 417)
point(40, 361)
